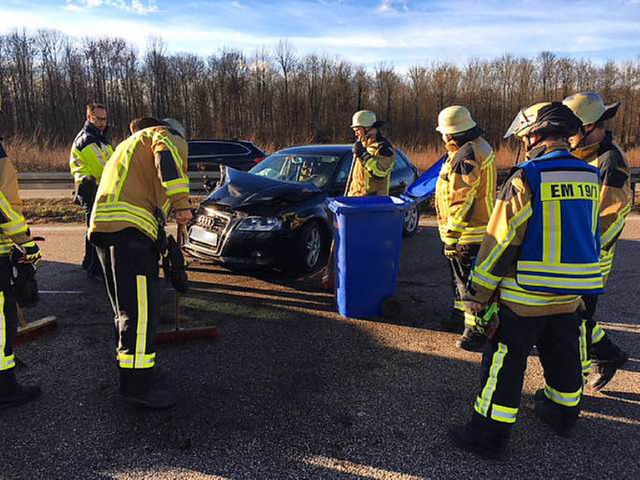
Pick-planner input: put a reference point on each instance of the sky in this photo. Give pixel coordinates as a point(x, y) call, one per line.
point(400, 33)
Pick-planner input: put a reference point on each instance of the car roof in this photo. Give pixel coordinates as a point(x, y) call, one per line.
point(329, 150)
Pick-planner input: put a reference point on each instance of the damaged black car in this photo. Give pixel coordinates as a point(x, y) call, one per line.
point(275, 215)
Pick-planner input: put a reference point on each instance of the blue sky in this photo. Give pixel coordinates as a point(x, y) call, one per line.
point(398, 32)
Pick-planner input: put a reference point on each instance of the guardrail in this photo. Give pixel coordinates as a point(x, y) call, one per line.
point(64, 180)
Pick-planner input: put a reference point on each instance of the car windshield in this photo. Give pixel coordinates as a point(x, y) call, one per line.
point(316, 169)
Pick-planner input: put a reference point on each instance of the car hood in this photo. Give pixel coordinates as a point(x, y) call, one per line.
point(258, 195)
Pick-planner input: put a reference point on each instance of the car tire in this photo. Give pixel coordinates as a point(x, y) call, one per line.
point(411, 221)
point(311, 248)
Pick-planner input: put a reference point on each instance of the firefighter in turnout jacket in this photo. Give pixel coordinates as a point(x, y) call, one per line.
point(89, 154)
point(540, 255)
point(465, 195)
point(145, 178)
point(374, 157)
point(14, 234)
point(594, 145)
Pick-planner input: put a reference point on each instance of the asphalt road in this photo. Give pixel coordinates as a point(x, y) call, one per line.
point(291, 390)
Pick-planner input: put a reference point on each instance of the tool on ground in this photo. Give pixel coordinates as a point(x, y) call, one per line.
point(180, 333)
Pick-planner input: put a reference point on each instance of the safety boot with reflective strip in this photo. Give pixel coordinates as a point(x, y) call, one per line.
point(560, 419)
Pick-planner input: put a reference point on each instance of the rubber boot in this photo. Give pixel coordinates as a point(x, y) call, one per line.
point(454, 322)
point(487, 443)
point(140, 387)
point(12, 394)
point(603, 372)
point(472, 340)
point(559, 419)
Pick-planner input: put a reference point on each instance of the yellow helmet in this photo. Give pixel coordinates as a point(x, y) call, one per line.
point(542, 118)
point(589, 107)
point(454, 119)
point(366, 119)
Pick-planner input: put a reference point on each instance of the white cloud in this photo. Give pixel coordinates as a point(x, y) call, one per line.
point(141, 7)
point(393, 6)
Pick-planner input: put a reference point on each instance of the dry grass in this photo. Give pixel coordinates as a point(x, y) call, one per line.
point(30, 155)
point(505, 157)
point(51, 210)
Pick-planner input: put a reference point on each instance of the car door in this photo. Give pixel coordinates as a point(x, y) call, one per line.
point(402, 175)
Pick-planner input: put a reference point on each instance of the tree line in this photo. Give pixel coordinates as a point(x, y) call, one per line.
point(278, 97)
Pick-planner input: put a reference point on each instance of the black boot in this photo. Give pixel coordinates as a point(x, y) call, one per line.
point(454, 322)
point(559, 419)
point(485, 442)
point(603, 372)
point(12, 394)
point(472, 340)
point(140, 387)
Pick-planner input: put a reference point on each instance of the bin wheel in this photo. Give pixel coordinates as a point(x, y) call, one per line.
point(391, 308)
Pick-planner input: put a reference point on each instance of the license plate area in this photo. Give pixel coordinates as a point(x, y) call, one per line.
point(200, 235)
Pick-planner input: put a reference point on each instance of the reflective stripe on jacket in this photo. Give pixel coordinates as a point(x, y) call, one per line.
point(147, 173)
point(89, 153)
point(560, 253)
point(465, 193)
point(616, 199)
point(13, 226)
point(373, 176)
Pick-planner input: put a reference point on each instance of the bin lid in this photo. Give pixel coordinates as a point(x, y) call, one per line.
point(425, 185)
point(350, 205)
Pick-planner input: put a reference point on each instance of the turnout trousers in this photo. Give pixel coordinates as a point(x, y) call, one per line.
point(130, 265)
point(595, 345)
point(460, 270)
point(505, 360)
point(8, 316)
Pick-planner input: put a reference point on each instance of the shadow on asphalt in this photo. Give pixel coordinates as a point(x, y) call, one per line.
point(282, 389)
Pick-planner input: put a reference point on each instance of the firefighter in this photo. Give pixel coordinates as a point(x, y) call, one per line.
point(374, 157)
point(540, 255)
point(595, 145)
point(465, 195)
point(89, 154)
point(14, 233)
point(145, 178)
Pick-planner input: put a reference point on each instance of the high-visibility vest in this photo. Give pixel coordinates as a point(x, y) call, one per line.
point(561, 250)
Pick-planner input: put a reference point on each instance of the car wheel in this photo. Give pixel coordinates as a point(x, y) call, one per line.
point(411, 221)
point(311, 248)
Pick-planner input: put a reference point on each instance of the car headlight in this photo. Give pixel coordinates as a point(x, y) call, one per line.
point(260, 224)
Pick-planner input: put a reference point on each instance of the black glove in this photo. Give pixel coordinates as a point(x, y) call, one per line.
point(450, 251)
point(174, 266)
point(360, 151)
point(23, 281)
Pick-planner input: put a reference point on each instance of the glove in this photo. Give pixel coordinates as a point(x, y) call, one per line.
point(487, 322)
point(450, 251)
point(360, 151)
point(25, 286)
point(27, 253)
point(173, 266)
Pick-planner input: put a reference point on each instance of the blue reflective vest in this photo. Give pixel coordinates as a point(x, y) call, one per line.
point(561, 250)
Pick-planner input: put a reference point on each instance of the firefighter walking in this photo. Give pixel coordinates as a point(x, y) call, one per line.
point(595, 145)
point(89, 154)
point(465, 196)
point(541, 253)
point(146, 177)
point(14, 234)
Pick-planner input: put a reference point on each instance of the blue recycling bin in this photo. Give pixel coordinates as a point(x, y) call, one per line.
point(368, 236)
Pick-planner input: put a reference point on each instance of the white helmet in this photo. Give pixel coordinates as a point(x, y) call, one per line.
point(175, 125)
point(366, 119)
point(589, 107)
point(454, 119)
